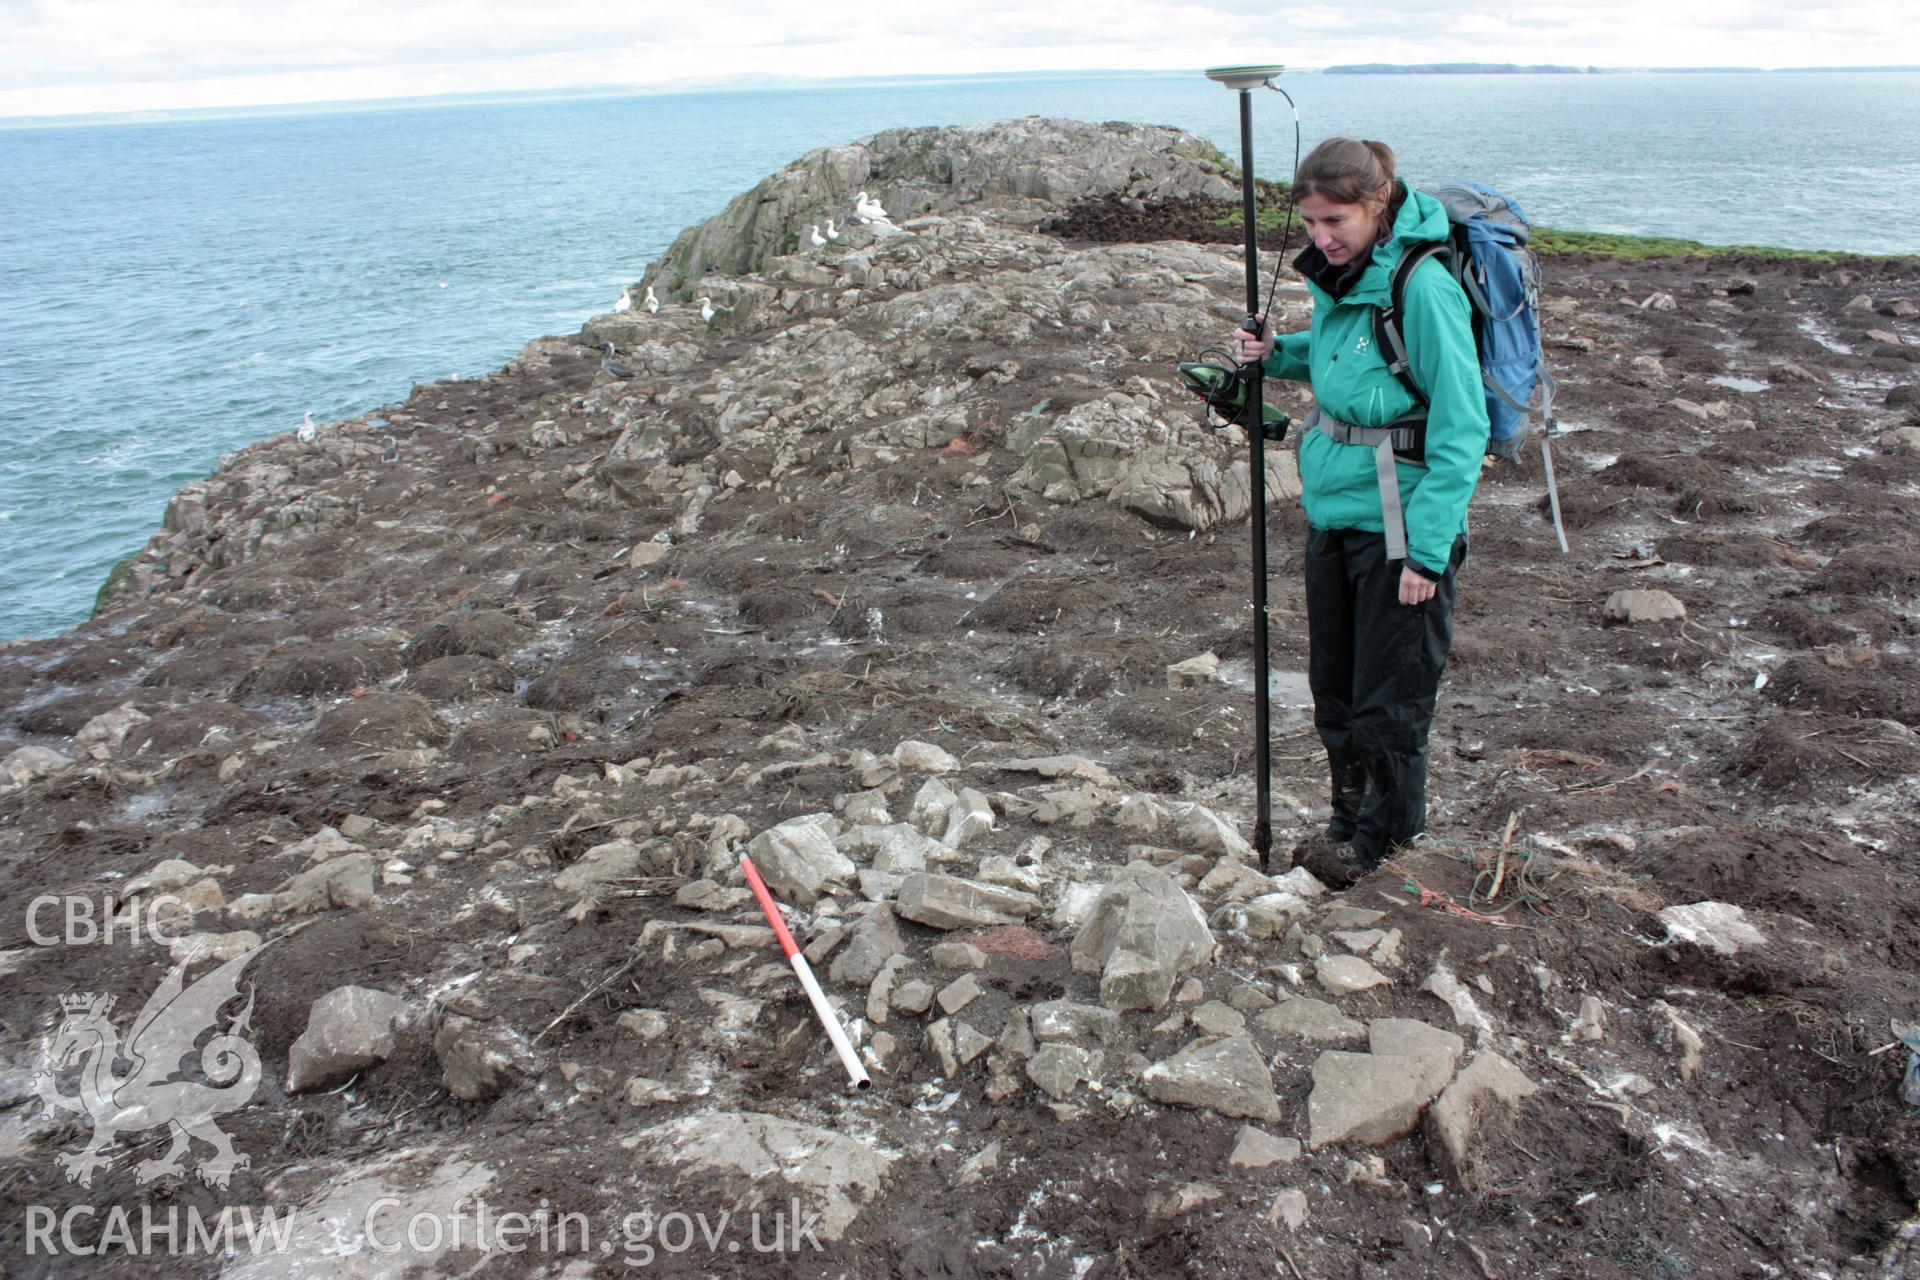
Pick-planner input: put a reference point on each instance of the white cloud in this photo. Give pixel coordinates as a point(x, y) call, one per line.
point(59, 56)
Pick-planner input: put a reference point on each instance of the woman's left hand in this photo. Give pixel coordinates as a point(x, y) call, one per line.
point(1415, 588)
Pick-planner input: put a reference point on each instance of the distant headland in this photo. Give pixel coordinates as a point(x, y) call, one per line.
point(1515, 69)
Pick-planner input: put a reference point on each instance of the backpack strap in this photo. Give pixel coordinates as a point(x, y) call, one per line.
point(1402, 435)
point(1386, 320)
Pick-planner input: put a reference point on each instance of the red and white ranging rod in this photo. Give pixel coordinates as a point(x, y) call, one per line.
point(856, 1074)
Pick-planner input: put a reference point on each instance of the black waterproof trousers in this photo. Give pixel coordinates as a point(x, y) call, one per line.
point(1374, 669)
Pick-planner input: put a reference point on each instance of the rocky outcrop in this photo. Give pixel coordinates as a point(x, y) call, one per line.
point(919, 171)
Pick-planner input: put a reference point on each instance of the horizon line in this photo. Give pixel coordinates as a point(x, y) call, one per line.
point(751, 80)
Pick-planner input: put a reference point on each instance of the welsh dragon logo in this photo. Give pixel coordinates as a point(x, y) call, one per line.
point(152, 1093)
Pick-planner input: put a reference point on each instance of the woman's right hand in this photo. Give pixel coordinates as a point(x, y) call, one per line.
point(1250, 347)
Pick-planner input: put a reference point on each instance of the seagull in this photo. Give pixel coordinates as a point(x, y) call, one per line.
point(307, 430)
point(814, 232)
point(652, 303)
point(870, 210)
point(392, 450)
point(706, 309)
point(626, 301)
point(831, 233)
point(611, 367)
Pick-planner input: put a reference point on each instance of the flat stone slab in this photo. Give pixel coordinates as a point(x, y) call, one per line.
point(1438, 1051)
point(1366, 1098)
point(948, 902)
point(1257, 1149)
point(1314, 1021)
point(1228, 1075)
point(1344, 975)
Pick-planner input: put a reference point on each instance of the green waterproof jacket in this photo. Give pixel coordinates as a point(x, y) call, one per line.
point(1338, 355)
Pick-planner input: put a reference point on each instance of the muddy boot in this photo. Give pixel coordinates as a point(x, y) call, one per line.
point(1349, 771)
point(1331, 862)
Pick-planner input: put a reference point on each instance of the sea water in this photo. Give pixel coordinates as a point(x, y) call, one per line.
point(172, 288)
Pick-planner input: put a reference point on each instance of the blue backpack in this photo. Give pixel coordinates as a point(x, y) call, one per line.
point(1487, 253)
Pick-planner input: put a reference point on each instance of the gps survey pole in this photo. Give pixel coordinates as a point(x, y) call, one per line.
point(1244, 80)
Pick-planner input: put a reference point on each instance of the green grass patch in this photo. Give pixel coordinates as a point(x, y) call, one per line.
point(1271, 201)
point(1548, 240)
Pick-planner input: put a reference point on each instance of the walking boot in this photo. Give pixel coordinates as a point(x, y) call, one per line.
point(1331, 862)
point(1349, 791)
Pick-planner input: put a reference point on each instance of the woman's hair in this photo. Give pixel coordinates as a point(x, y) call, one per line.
point(1351, 171)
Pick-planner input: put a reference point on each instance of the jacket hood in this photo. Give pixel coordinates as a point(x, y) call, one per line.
point(1422, 219)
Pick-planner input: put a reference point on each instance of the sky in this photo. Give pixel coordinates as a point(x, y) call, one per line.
point(60, 57)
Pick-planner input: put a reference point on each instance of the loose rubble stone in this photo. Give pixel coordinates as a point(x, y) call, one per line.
point(957, 955)
point(1216, 1019)
point(947, 902)
point(932, 807)
point(1314, 1021)
point(873, 942)
point(1289, 1210)
point(1481, 1095)
point(1591, 1023)
point(1344, 975)
point(880, 994)
point(1437, 1051)
point(1066, 1020)
point(959, 993)
point(648, 1024)
point(1171, 1202)
point(1196, 671)
point(924, 757)
point(344, 883)
point(1719, 927)
point(899, 849)
point(1143, 933)
point(799, 861)
point(1228, 1075)
point(26, 764)
point(1257, 1149)
point(101, 736)
point(1366, 1098)
point(1199, 828)
point(218, 948)
point(479, 1059)
point(643, 1091)
point(1058, 1067)
point(970, 816)
point(615, 860)
point(349, 1029)
point(979, 1165)
point(1636, 606)
point(914, 997)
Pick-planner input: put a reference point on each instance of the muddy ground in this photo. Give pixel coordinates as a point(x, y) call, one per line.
point(1762, 753)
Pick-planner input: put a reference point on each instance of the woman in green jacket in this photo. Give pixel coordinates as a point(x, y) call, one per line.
point(1385, 497)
